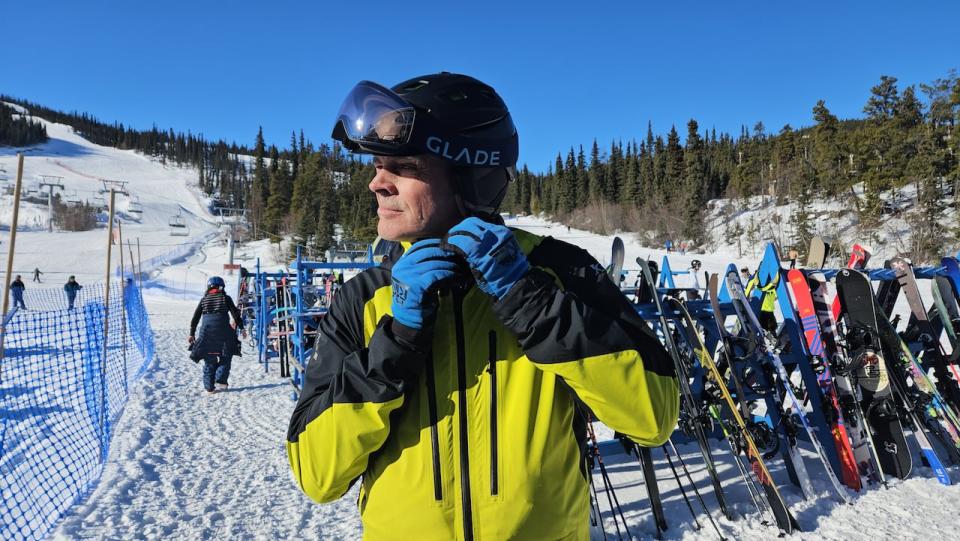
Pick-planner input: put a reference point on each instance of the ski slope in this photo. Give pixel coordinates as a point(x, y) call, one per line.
point(184, 465)
point(162, 190)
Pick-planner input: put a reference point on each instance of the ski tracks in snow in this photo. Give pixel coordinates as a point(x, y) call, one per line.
point(184, 465)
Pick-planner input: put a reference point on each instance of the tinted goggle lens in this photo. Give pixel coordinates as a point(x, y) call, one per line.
point(372, 114)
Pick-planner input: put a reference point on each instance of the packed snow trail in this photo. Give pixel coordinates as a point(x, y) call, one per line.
point(184, 465)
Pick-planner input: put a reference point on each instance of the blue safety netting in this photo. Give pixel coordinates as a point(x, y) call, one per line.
point(60, 398)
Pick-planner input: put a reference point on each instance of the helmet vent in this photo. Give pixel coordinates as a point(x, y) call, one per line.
point(414, 85)
point(454, 96)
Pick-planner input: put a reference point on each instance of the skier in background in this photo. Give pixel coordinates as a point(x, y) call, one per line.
point(16, 290)
point(768, 294)
point(217, 342)
point(71, 288)
point(36, 275)
point(504, 331)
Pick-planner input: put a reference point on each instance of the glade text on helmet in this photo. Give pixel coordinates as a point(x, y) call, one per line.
point(467, 156)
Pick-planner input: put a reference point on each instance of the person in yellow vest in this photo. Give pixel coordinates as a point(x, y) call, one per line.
point(766, 316)
point(453, 382)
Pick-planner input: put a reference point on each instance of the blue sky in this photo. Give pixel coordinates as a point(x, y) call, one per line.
point(569, 71)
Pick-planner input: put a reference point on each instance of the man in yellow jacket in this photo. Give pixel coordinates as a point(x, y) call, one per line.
point(455, 378)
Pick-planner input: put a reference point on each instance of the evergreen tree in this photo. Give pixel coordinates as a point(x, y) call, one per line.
point(693, 184)
point(826, 151)
point(260, 188)
point(673, 174)
point(278, 206)
point(595, 175)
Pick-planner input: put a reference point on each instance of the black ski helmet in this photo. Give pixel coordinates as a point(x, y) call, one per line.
point(455, 117)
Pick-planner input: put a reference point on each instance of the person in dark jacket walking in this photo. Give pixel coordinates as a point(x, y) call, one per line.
point(16, 290)
point(36, 275)
point(216, 343)
point(71, 288)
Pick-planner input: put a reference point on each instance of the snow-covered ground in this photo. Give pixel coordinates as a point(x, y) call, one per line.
point(184, 465)
point(187, 466)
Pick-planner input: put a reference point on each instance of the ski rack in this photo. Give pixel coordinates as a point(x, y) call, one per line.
point(282, 309)
point(305, 272)
point(266, 287)
point(795, 357)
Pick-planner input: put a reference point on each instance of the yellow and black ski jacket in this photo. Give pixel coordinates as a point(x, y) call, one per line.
point(472, 431)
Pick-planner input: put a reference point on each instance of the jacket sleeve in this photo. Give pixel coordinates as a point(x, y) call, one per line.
point(235, 312)
point(196, 318)
point(572, 321)
point(349, 392)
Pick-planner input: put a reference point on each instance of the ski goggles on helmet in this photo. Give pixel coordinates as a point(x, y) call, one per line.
point(376, 120)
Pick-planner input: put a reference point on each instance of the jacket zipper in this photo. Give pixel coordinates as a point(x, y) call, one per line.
point(462, 407)
point(434, 436)
point(494, 486)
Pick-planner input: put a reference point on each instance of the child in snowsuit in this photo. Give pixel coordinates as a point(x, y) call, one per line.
point(216, 343)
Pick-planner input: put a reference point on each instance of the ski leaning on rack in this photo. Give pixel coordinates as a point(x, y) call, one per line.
point(693, 417)
point(785, 521)
point(810, 324)
point(755, 331)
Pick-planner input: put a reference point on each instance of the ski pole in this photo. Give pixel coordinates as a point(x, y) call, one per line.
point(683, 466)
point(683, 492)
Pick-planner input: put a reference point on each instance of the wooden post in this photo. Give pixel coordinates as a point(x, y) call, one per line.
point(106, 318)
point(10, 251)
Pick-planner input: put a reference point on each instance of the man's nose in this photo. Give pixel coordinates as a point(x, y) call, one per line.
point(382, 183)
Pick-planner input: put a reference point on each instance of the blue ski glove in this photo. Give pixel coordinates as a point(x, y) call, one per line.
point(491, 251)
point(416, 276)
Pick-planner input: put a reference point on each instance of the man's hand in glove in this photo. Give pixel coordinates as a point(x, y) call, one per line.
point(416, 276)
point(492, 253)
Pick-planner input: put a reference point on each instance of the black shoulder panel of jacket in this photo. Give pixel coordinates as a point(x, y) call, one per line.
point(343, 369)
point(587, 318)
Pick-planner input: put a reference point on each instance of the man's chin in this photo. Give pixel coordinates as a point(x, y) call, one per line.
point(396, 234)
